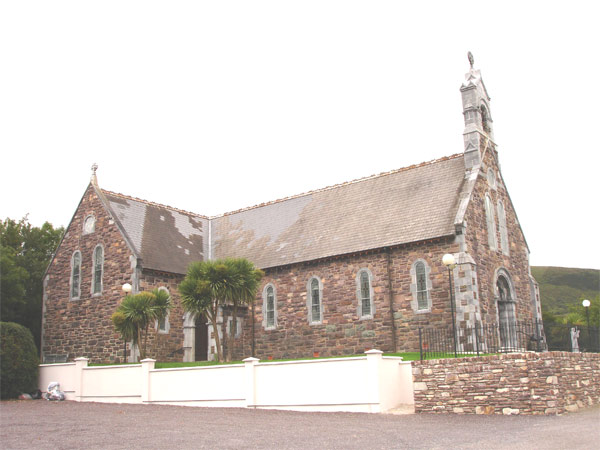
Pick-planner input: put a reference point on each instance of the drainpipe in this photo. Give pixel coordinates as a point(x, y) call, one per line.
point(253, 339)
point(391, 291)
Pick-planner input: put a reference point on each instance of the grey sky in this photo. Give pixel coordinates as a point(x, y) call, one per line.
point(216, 106)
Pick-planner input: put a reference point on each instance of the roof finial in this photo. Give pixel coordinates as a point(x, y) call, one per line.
point(94, 168)
point(471, 59)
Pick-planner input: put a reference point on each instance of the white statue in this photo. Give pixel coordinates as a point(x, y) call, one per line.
point(574, 337)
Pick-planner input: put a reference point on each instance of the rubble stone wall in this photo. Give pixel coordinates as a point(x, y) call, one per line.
point(516, 383)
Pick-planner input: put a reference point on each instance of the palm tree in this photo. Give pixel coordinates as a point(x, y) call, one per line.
point(135, 313)
point(209, 285)
point(247, 279)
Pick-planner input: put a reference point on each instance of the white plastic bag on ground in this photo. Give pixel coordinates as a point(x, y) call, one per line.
point(54, 392)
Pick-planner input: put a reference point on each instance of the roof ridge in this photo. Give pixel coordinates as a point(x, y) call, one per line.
point(346, 183)
point(130, 197)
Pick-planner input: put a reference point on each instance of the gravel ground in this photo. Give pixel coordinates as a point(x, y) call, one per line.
point(73, 425)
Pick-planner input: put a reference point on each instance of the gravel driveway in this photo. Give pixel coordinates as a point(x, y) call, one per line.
point(73, 425)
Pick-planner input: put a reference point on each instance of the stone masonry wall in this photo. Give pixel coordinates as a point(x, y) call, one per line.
point(516, 383)
point(168, 345)
point(488, 260)
point(342, 332)
point(82, 326)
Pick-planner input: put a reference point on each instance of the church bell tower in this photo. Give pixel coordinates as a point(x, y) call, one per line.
point(478, 119)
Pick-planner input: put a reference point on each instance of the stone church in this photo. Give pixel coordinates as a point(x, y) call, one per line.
point(348, 267)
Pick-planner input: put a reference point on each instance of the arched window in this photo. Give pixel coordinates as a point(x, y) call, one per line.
point(269, 308)
point(485, 124)
point(163, 325)
point(98, 269)
point(491, 177)
point(315, 301)
point(364, 294)
point(420, 286)
point(503, 229)
point(75, 274)
point(89, 225)
point(491, 223)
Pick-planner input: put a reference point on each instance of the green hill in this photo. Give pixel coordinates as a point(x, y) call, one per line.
point(561, 287)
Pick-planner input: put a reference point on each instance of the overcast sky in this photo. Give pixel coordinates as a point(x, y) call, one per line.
point(216, 106)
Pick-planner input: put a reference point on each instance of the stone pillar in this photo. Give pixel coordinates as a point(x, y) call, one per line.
point(374, 358)
point(80, 364)
point(250, 381)
point(189, 337)
point(147, 366)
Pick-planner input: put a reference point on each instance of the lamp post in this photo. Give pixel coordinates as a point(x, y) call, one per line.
point(586, 304)
point(450, 263)
point(126, 290)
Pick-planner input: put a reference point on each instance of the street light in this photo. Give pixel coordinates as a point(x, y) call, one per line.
point(586, 304)
point(126, 289)
point(449, 261)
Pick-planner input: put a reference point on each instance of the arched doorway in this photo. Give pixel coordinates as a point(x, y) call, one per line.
point(506, 313)
point(201, 339)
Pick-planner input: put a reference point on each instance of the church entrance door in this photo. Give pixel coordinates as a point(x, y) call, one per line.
point(506, 313)
point(201, 338)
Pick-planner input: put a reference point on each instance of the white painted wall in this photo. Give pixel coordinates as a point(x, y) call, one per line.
point(313, 384)
point(217, 386)
point(112, 384)
point(370, 383)
point(63, 373)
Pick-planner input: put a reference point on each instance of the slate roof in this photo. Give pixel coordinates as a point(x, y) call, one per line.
point(166, 238)
point(412, 204)
point(406, 205)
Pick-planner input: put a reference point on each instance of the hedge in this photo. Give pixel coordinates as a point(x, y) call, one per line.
point(18, 361)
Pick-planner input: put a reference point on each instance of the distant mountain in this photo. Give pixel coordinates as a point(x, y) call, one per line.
point(561, 287)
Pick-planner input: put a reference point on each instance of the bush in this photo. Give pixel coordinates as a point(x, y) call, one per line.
point(18, 360)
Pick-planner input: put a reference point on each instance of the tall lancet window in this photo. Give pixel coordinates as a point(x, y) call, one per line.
point(364, 293)
point(98, 269)
point(314, 301)
point(75, 274)
point(503, 229)
point(491, 223)
point(269, 308)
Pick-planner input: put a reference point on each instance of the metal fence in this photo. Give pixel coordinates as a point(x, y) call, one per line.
point(569, 337)
point(505, 338)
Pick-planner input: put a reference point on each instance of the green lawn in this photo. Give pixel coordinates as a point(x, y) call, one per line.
point(408, 356)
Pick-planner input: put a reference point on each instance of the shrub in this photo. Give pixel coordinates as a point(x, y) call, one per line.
point(18, 360)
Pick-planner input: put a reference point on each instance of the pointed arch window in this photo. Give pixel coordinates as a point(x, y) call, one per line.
point(364, 294)
point(485, 124)
point(269, 307)
point(98, 270)
point(315, 301)
point(491, 223)
point(421, 286)
point(503, 229)
point(162, 326)
point(75, 274)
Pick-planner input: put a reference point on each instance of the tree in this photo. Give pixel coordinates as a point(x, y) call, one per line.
point(209, 285)
point(18, 360)
point(25, 254)
point(244, 291)
point(136, 312)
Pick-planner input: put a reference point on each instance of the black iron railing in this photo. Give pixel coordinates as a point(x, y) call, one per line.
point(481, 339)
point(506, 338)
